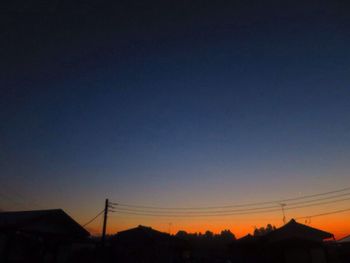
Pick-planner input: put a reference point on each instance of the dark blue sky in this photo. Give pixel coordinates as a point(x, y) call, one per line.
point(179, 103)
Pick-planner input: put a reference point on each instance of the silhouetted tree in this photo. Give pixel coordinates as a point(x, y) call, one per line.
point(182, 234)
point(208, 234)
point(264, 230)
point(227, 235)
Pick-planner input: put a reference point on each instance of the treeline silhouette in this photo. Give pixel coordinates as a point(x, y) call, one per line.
point(208, 246)
point(224, 236)
point(264, 230)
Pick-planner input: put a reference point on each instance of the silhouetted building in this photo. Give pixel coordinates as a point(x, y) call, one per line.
point(293, 242)
point(38, 236)
point(144, 244)
point(248, 249)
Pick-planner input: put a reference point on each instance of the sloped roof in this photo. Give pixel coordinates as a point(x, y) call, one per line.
point(147, 237)
point(344, 239)
point(247, 239)
point(54, 222)
point(141, 234)
point(295, 230)
point(143, 231)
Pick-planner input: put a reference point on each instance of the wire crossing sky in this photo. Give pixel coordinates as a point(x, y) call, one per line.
point(176, 104)
point(347, 189)
point(258, 208)
point(149, 210)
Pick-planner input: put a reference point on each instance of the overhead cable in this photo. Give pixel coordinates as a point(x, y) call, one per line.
point(233, 205)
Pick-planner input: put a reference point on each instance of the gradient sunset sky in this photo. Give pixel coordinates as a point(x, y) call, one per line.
point(176, 104)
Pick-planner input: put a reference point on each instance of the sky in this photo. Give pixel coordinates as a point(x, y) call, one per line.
point(175, 104)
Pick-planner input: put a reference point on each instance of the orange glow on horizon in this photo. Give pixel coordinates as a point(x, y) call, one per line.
point(337, 225)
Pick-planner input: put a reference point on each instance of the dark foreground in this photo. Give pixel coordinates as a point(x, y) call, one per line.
point(52, 236)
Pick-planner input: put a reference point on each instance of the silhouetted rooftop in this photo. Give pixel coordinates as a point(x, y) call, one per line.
point(54, 222)
point(345, 239)
point(142, 231)
point(295, 230)
point(247, 239)
point(291, 230)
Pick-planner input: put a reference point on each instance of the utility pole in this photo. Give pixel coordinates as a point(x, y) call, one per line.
point(284, 216)
point(103, 238)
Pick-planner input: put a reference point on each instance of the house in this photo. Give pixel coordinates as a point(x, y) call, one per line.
point(293, 242)
point(144, 244)
point(247, 249)
point(42, 235)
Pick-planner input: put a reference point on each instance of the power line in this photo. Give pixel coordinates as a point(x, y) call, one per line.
point(187, 215)
point(10, 199)
point(230, 210)
point(90, 221)
point(230, 206)
point(329, 197)
point(21, 197)
point(208, 214)
point(323, 214)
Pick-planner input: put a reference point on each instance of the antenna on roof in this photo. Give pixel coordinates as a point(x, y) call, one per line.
point(283, 214)
point(170, 224)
